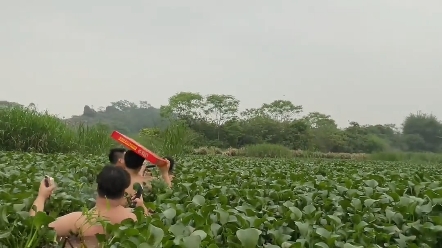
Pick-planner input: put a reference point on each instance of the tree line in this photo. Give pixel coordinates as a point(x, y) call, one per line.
point(215, 120)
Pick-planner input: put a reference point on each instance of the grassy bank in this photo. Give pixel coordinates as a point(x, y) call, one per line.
point(27, 130)
point(277, 151)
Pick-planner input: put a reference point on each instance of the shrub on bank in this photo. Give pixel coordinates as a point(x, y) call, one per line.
point(27, 130)
point(407, 156)
point(265, 150)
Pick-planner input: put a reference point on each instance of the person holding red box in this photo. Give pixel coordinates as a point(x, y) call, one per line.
point(133, 164)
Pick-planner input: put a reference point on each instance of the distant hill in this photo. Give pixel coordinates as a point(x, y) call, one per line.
point(124, 116)
point(9, 104)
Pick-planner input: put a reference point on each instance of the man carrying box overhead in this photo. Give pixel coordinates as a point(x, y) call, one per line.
point(133, 164)
point(116, 158)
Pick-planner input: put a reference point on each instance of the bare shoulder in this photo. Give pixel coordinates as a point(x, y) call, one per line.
point(128, 214)
point(66, 223)
point(74, 216)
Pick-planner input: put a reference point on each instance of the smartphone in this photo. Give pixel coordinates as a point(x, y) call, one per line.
point(139, 190)
point(47, 181)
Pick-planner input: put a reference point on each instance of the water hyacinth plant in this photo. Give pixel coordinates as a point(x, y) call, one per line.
point(221, 201)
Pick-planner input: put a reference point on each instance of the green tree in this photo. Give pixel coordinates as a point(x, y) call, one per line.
point(281, 110)
point(426, 131)
point(184, 105)
point(123, 105)
point(220, 109)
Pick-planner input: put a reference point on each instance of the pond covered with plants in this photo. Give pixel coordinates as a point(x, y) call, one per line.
point(219, 201)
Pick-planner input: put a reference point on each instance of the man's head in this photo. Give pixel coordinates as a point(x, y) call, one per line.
point(116, 156)
point(133, 161)
point(112, 182)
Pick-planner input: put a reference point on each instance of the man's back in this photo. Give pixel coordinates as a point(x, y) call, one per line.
point(89, 224)
point(111, 184)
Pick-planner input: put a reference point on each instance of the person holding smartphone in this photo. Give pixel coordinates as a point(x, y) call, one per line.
point(133, 164)
point(147, 173)
point(112, 182)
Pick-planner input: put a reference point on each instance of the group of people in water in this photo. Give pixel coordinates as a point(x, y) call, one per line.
point(115, 185)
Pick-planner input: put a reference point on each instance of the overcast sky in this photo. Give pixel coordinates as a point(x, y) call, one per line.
point(369, 61)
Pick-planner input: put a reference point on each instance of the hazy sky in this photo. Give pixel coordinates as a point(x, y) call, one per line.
point(372, 61)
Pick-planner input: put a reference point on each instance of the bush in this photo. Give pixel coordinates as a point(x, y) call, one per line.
point(267, 151)
point(27, 130)
point(175, 140)
point(407, 156)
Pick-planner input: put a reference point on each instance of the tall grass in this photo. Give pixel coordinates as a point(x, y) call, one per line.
point(27, 130)
point(175, 140)
point(267, 151)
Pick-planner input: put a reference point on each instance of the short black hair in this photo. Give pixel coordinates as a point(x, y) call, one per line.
point(172, 163)
point(133, 160)
point(115, 154)
point(112, 182)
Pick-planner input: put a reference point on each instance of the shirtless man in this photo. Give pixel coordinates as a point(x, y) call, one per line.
point(112, 182)
point(147, 173)
point(116, 156)
point(134, 163)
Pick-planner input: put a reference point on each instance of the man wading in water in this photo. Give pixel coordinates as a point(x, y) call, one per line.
point(116, 156)
point(133, 164)
point(112, 182)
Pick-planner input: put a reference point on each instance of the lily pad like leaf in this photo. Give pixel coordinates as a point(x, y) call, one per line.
point(248, 237)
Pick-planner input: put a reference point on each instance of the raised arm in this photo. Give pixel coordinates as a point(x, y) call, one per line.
point(44, 192)
point(164, 170)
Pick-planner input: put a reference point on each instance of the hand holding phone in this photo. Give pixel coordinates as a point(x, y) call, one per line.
point(49, 181)
point(138, 195)
point(46, 187)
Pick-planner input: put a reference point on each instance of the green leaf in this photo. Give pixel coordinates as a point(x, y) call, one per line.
point(427, 208)
point(214, 228)
point(144, 245)
point(4, 235)
point(200, 233)
point(18, 207)
point(3, 214)
point(323, 233)
point(296, 212)
point(321, 244)
point(369, 202)
point(348, 245)
point(41, 219)
point(155, 235)
point(371, 183)
point(179, 229)
point(335, 219)
point(169, 213)
point(199, 200)
point(192, 241)
point(248, 237)
point(303, 228)
point(309, 209)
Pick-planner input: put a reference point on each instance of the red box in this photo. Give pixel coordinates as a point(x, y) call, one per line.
point(138, 148)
